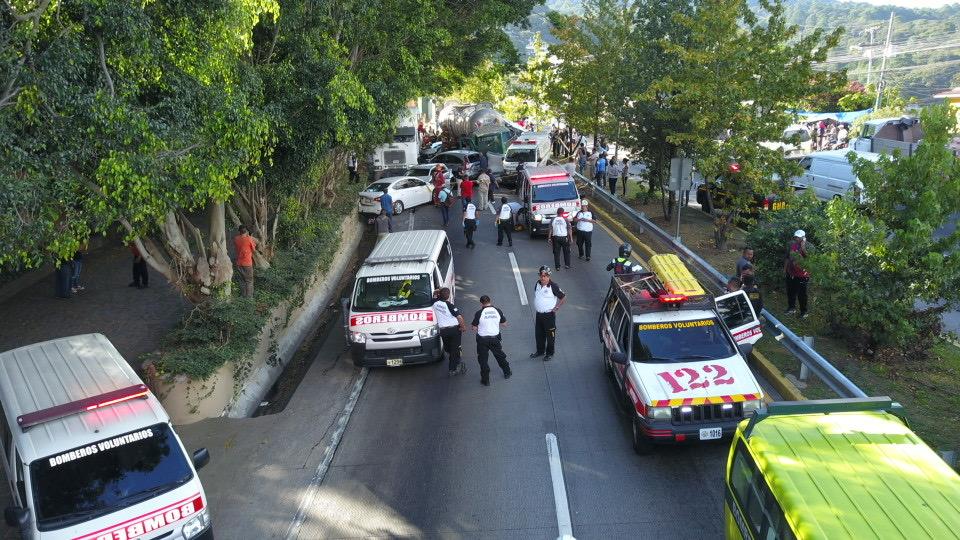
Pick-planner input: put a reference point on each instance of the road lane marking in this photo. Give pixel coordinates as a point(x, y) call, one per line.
point(492, 209)
point(564, 525)
point(410, 222)
point(306, 501)
point(516, 276)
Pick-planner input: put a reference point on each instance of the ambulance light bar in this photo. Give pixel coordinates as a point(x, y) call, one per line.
point(672, 298)
point(549, 177)
point(86, 404)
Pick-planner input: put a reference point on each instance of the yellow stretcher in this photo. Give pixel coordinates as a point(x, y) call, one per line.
point(674, 275)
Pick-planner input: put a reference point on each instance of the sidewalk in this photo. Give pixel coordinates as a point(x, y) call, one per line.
point(135, 320)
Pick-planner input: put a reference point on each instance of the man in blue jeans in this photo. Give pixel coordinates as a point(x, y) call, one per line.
point(386, 202)
point(601, 173)
point(446, 201)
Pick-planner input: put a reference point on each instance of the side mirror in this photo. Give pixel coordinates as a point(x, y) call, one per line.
point(200, 458)
point(16, 516)
point(618, 358)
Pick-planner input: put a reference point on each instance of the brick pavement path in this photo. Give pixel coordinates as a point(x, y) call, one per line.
point(133, 319)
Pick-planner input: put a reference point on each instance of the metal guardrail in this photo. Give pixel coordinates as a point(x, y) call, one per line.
point(820, 366)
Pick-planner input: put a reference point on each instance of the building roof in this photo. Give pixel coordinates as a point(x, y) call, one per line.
point(952, 93)
point(856, 475)
point(62, 371)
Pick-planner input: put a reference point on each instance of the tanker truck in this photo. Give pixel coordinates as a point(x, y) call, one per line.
point(477, 127)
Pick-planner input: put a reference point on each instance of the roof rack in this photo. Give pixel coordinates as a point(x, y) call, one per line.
point(826, 406)
point(56, 412)
point(643, 291)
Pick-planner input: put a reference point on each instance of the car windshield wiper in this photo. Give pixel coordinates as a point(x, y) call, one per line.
point(696, 357)
point(149, 493)
point(65, 520)
point(660, 359)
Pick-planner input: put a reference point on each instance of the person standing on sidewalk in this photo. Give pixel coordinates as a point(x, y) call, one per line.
point(613, 174)
point(797, 275)
point(446, 201)
point(505, 222)
point(352, 167)
point(470, 222)
point(141, 279)
point(581, 160)
point(452, 327)
point(547, 299)
point(559, 236)
point(624, 175)
point(487, 323)
point(584, 221)
point(245, 245)
point(600, 173)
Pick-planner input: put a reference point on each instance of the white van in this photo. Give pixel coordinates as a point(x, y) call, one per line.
point(531, 149)
point(89, 452)
point(830, 175)
point(545, 191)
point(389, 318)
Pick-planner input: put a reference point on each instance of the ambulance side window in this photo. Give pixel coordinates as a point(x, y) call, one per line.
point(625, 333)
point(617, 323)
point(444, 258)
point(21, 473)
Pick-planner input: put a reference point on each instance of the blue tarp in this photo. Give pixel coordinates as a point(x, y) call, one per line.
point(845, 117)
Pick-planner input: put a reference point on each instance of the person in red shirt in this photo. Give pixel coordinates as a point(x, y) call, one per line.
point(245, 245)
point(797, 275)
point(439, 179)
point(466, 191)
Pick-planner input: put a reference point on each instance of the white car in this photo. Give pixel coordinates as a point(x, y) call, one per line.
point(406, 192)
point(424, 172)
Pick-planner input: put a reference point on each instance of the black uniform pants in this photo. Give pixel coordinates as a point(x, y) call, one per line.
point(546, 332)
point(451, 337)
point(504, 227)
point(612, 181)
point(584, 243)
point(561, 244)
point(469, 226)
point(140, 276)
point(491, 344)
point(797, 291)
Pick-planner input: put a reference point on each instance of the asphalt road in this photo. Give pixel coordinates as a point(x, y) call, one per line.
point(425, 455)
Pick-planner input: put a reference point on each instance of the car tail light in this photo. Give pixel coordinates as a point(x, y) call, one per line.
point(680, 437)
point(734, 167)
point(376, 199)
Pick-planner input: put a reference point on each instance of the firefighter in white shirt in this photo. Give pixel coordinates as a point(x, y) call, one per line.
point(584, 221)
point(487, 323)
point(547, 299)
point(470, 221)
point(559, 236)
point(452, 326)
point(505, 222)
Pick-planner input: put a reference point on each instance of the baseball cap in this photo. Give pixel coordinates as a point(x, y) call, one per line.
point(800, 233)
point(544, 270)
point(584, 202)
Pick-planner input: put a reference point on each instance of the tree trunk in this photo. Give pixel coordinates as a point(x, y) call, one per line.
point(220, 265)
point(250, 206)
point(721, 227)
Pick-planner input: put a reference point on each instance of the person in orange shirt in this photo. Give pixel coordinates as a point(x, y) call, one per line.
point(245, 245)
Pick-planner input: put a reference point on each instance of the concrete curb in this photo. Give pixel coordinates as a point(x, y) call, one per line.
point(766, 368)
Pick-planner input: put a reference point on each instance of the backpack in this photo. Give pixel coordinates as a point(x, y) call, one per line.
point(449, 201)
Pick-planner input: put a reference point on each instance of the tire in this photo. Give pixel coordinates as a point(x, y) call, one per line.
point(641, 444)
point(397, 208)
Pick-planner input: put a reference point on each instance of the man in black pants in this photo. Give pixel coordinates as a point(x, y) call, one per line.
point(451, 326)
point(547, 299)
point(559, 237)
point(505, 222)
point(584, 223)
point(487, 323)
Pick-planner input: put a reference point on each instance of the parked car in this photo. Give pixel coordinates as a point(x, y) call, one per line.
point(455, 160)
point(830, 175)
point(720, 189)
point(406, 191)
point(794, 141)
point(424, 172)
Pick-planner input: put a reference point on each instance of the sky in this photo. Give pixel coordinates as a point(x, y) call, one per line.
point(910, 3)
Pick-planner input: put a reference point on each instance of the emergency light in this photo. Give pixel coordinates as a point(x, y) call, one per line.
point(672, 298)
point(86, 404)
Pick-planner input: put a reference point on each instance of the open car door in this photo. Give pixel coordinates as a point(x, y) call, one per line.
point(737, 313)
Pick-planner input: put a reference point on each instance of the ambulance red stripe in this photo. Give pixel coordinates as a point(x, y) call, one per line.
point(196, 499)
point(381, 317)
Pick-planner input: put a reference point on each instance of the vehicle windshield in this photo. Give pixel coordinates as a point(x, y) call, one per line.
point(404, 134)
point(418, 171)
point(524, 155)
point(378, 186)
point(681, 341)
point(83, 483)
point(390, 293)
point(555, 191)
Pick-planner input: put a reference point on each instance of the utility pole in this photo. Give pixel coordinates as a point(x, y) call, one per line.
point(883, 65)
point(872, 30)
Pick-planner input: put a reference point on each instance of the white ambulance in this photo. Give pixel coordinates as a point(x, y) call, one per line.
point(389, 318)
point(546, 190)
point(89, 453)
point(531, 149)
point(676, 355)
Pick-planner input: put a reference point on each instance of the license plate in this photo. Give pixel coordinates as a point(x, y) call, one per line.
point(711, 433)
point(394, 362)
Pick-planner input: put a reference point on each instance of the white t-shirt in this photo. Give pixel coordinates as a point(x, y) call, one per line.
point(559, 226)
point(505, 212)
point(471, 211)
point(488, 320)
point(446, 313)
point(584, 226)
point(545, 298)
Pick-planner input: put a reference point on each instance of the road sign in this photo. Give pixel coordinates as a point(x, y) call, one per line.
point(681, 170)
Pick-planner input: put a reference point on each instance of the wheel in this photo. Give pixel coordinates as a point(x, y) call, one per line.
point(641, 444)
point(397, 208)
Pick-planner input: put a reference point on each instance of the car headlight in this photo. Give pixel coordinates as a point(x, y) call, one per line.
point(750, 406)
point(197, 524)
point(428, 332)
point(659, 413)
point(537, 217)
point(358, 337)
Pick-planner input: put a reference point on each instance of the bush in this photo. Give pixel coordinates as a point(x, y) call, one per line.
point(770, 238)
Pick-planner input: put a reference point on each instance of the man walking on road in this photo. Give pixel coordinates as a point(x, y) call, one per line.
point(466, 191)
point(487, 323)
point(470, 222)
point(386, 204)
point(245, 245)
point(505, 222)
point(559, 236)
point(452, 327)
point(584, 223)
point(547, 299)
point(446, 201)
point(482, 190)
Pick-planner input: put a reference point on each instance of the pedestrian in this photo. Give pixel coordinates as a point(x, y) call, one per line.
point(624, 175)
point(445, 199)
point(559, 236)
point(352, 167)
point(613, 174)
point(583, 221)
point(245, 245)
point(753, 293)
point(63, 277)
point(466, 191)
point(439, 180)
point(797, 275)
point(487, 323)
point(505, 223)
point(746, 259)
point(581, 160)
point(623, 264)
point(483, 189)
point(600, 173)
point(76, 267)
point(470, 222)
point(141, 279)
point(733, 284)
point(547, 299)
point(452, 326)
point(484, 161)
point(382, 225)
